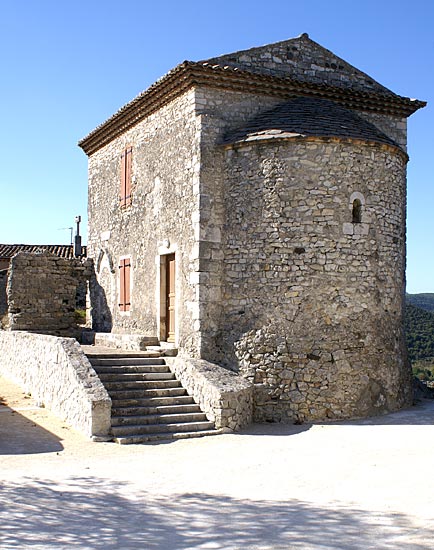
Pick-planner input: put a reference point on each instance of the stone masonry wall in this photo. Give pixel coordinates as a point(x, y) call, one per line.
point(58, 375)
point(162, 218)
point(220, 112)
point(313, 302)
point(41, 292)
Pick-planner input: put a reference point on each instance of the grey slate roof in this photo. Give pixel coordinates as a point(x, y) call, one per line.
point(63, 251)
point(308, 117)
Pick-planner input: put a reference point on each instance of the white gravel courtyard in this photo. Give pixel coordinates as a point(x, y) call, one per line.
point(352, 485)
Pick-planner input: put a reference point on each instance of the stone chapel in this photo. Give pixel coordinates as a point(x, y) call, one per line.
point(250, 210)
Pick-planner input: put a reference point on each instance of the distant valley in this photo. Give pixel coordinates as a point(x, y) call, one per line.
point(419, 329)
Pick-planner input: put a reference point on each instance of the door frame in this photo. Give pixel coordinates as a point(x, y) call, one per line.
point(161, 297)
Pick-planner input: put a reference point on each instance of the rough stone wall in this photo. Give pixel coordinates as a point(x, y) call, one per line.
point(302, 59)
point(219, 111)
point(313, 302)
point(3, 297)
point(59, 376)
point(164, 211)
point(41, 292)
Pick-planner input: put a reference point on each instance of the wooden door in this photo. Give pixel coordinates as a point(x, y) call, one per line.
point(170, 298)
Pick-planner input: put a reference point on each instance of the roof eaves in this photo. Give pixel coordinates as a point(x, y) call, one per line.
point(190, 73)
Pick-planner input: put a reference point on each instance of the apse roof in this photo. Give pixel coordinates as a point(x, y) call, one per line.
point(307, 117)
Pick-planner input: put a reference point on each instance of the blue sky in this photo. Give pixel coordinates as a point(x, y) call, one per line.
point(67, 65)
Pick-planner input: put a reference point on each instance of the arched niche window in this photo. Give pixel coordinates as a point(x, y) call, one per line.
point(357, 211)
point(357, 206)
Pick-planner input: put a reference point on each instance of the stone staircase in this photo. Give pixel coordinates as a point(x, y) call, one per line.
point(148, 402)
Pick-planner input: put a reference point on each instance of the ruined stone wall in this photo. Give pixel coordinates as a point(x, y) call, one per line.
point(3, 297)
point(41, 292)
point(162, 218)
point(313, 302)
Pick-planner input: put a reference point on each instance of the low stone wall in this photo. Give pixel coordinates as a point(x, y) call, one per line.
point(224, 396)
point(57, 374)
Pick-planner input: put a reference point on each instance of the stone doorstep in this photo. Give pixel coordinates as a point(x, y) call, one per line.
point(128, 342)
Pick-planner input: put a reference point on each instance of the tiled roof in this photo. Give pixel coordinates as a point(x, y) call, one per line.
point(190, 73)
point(61, 250)
point(308, 117)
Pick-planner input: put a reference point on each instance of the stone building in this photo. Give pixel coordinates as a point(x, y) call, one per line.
point(250, 208)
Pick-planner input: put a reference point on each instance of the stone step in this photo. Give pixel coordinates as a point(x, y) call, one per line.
point(117, 395)
point(123, 377)
point(121, 354)
point(165, 436)
point(137, 410)
point(130, 369)
point(142, 385)
point(163, 350)
point(125, 361)
point(140, 429)
point(158, 419)
point(154, 402)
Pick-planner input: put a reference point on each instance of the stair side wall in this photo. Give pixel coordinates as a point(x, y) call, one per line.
point(58, 375)
point(225, 397)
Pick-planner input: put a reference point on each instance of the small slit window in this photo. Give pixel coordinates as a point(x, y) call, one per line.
point(357, 211)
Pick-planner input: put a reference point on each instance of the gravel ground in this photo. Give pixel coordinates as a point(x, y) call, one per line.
point(348, 485)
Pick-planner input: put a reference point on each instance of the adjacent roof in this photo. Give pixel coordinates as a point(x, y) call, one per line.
point(306, 117)
point(217, 74)
point(63, 251)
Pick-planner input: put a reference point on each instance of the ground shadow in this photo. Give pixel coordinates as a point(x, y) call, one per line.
point(20, 435)
point(92, 513)
point(420, 414)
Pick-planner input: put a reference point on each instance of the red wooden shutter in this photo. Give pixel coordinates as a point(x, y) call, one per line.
point(128, 162)
point(127, 280)
point(124, 284)
point(123, 173)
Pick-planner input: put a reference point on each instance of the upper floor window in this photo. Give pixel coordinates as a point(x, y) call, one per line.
point(126, 162)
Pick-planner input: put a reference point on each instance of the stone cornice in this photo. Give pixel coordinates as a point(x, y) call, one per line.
point(202, 74)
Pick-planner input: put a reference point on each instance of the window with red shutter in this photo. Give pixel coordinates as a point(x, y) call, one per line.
point(126, 164)
point(125, 284)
